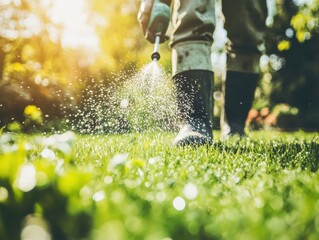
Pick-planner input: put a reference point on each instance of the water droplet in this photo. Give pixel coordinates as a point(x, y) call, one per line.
point(190, 191)
point(37, 79)
point(108, 180)
point(179, 203)
point(118, 159)
point(98, 196)
point(48, 154)
point(160, 196)
point(35, 228)
point(45, 82)
point(153, 160)
point(3, 194)
point(258, 202)
point(27, 178)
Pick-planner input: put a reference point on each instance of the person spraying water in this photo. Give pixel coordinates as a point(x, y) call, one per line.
point(157, 24)
point(193, 25)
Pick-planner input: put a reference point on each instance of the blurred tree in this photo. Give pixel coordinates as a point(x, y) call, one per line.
point(35, 68)
point(123, 46)
point(294, 46)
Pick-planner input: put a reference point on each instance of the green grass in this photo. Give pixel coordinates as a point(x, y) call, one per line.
point(138, 186)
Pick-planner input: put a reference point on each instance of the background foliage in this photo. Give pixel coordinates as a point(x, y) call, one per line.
point(295, 75)
point(38, 68)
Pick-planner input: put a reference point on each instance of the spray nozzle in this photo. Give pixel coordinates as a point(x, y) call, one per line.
point(155, 55)
point(158, 24)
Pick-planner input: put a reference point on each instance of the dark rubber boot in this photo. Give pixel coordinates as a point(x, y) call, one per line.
point(239, 91)
point(194, 91)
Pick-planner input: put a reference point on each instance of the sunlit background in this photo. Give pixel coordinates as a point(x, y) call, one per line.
point(64, 55)
point(84, 66)
point(74, 17)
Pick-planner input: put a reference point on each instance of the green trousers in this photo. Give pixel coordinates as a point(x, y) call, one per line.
point(193, 25)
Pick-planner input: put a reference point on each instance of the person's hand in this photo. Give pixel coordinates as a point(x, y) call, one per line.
point(154, 17)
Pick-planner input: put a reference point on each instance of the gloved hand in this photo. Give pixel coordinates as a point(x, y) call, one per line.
point(154, 17)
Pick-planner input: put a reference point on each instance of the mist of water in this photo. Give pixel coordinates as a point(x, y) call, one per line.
point(145, 101)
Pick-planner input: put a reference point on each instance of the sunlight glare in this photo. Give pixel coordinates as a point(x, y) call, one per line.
point(4, 2)
point(73, 16)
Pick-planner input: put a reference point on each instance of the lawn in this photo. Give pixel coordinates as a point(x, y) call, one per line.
point(138, 186)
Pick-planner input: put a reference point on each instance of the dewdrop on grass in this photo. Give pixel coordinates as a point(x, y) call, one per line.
point(27, 178)
point(4, 194)
point(48, 154)
point(190, 191)
point(98, 196)
point(179, 203)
